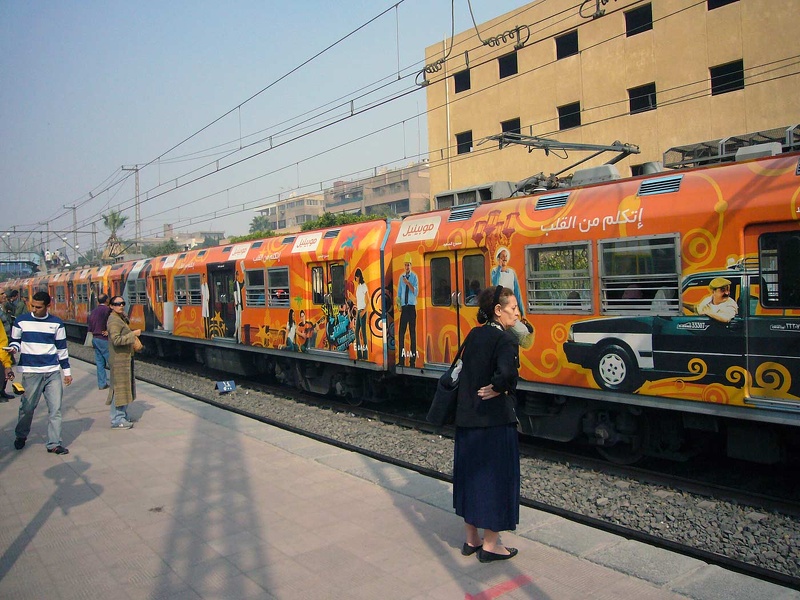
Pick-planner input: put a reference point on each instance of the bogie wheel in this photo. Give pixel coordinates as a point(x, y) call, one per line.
point(615, 370)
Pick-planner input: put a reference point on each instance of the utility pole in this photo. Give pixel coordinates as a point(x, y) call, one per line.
point(138, 220)
point(74, 229)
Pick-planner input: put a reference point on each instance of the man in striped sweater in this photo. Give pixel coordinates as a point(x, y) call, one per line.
point(41, 341)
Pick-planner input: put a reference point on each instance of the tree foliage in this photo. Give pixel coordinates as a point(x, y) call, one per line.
point(168, 247)
point(335, 220)
point(114, 221)
point(259, 223)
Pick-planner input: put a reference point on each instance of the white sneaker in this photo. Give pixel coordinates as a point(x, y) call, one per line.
point(122, 425)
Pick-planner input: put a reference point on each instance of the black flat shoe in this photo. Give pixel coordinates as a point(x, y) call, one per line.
point(468, 550)
point(485, 556)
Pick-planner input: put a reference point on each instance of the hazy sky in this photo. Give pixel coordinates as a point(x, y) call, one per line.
point(87, 87)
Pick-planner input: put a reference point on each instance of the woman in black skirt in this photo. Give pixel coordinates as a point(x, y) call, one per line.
point(486, 463)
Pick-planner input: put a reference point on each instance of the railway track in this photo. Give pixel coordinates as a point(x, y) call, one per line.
point(588, 466)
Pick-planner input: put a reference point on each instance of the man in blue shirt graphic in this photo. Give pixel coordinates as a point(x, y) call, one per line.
point(407, 291)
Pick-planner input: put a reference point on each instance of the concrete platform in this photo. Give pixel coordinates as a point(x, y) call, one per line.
point(196, 503)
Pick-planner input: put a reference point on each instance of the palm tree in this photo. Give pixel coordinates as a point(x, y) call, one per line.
point(113, 221)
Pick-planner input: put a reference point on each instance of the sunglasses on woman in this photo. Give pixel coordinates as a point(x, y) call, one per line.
point(117, 304)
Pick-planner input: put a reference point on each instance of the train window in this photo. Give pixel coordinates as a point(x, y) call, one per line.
point(181, 295)
point(337, 284)
point(137, 292)
point(278, 282)
point(61, 296)
point(82, 292)
point(640, 274)
point(160, 287)
point(441, 283)
point(317, 285)
point(195, 293)
point(779, 263)
point(254, 288)
point(559, 278)
point(474, 269)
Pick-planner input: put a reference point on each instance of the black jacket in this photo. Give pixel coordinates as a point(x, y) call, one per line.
point(491, 355)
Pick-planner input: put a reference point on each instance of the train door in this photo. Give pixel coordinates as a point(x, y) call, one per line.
point(223, 295)
point(70, 301)
point(773, 324)
point(322, 319)
point(454, 281)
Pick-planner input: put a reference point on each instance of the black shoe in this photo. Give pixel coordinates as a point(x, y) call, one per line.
point(485, 556)
point(105, 387)
point(19, 443)
point(468, 550)
point(58, 450)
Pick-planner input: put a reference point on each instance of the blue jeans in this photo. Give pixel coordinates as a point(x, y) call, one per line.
point(119, 414)
point(101, 360)
point(37, 385)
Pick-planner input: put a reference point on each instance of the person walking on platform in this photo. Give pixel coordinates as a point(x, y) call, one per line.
point(486, 472)
point(97, 323)
point(41, 341)
point(14, 306)
point(5, 359)
point(6, 320)
point(122, 343)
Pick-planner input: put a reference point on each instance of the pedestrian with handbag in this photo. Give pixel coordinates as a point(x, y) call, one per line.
point(122, 343)
point(486, 472)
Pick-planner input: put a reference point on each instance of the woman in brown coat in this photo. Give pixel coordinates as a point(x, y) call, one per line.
point(122, 343)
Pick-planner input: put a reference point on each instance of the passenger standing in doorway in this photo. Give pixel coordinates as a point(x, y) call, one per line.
point(41, 341)
point(486, 474)
point(98, 321)
point(407, 291)
point(123, 342)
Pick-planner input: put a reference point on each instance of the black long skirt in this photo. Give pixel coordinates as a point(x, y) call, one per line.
point(486, 476)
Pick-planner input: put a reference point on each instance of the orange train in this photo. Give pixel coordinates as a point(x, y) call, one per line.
point(656, 309)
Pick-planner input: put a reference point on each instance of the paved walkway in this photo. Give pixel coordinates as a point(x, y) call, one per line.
point(194, 502)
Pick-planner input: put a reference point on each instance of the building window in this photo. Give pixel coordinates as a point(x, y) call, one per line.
point(642, 98)
point(508, 65)
point(567, 45)
point(510, 126)
point(712, 4)
point(639, 20)
point(462, 81)
point(569, 115)
point(727, 78)
point(464, 142)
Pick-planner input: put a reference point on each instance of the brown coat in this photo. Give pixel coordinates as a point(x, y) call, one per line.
point(120, 357)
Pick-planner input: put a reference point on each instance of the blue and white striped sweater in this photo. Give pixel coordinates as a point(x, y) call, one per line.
point(41, 344)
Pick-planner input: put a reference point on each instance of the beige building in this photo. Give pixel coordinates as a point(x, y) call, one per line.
point(289, 214)
point(390, 191)
point(396, 191)
point(653, 74)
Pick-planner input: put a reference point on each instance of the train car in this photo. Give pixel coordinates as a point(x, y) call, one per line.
point(307, 309)
point(625, 345)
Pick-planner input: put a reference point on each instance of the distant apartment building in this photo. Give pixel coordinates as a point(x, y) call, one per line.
point(287, 215)
point(392, 192)
point(185, 240)
point(654, 74)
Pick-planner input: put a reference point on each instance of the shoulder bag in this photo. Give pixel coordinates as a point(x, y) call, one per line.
point(443, 407)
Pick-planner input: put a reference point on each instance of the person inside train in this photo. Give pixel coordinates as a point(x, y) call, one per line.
point(486, 472)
